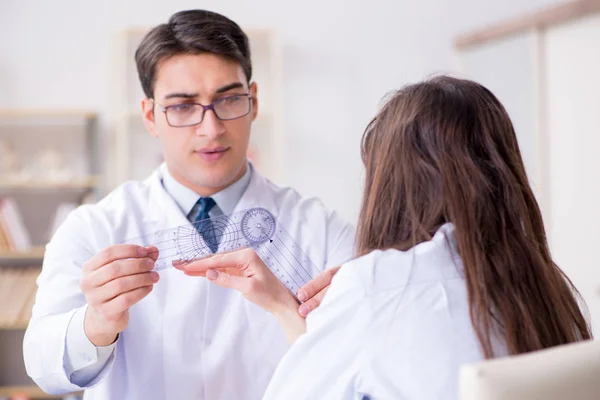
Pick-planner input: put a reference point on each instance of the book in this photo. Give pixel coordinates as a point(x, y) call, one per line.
point(29, 292)
point(11, 222)
point(17, 295)
point(3, 240)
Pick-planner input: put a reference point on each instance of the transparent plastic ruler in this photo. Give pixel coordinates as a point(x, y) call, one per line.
point(255, 228)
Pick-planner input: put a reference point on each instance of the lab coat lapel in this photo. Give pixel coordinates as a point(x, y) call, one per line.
point(162, 212)
point(259, 193)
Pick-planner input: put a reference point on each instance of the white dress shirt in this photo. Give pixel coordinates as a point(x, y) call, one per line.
point(226, 199)
point(189, 338)
point(393, 325)
point(80, 351)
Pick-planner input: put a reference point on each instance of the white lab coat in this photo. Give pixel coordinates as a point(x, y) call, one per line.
point(393, 326)
point(188, 339)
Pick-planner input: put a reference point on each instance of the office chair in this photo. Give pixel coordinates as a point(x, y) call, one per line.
point(569, 372)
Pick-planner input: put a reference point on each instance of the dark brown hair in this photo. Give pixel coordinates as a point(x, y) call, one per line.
point(191, 32)
point(445, 151)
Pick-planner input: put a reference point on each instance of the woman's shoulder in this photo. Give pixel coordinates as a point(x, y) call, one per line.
point(367, 282)
point(426, 263)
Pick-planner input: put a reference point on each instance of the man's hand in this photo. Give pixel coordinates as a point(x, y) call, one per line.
point(313, 292)
point(114, 280)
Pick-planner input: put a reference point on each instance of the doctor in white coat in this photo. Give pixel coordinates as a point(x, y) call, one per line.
point(103, 320)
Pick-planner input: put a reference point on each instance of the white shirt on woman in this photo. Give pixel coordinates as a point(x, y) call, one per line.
point(393, 325)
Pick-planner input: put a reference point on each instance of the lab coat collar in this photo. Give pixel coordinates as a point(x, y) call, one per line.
point(164, 212)
point(259, 193)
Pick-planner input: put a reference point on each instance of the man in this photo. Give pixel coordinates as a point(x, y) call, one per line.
point(103, 320)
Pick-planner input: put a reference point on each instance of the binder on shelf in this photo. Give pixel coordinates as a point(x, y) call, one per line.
point(32, 392)
point(17, 294)
point(12, 226)
point(13, 298)
point(3, 241)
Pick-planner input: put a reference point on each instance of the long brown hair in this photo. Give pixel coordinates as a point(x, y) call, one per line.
point(445, 151)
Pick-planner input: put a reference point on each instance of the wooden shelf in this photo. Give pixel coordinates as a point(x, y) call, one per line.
point(17, 326)
point(550, 16)
point(25, 113)
point(36, 253)
point(79, 183)
point(32, 392)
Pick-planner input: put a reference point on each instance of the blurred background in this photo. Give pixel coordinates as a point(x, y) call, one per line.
point(70, 121)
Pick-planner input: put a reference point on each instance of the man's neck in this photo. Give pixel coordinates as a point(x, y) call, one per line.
point(206, 191)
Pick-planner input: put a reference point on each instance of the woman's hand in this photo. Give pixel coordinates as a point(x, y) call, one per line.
point(244, 271)
point(313, 292)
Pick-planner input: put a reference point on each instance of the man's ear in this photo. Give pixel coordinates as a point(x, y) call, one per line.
point(254, 94)
point(148, 115)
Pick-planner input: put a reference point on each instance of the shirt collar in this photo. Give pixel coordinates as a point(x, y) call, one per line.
point(186, 198)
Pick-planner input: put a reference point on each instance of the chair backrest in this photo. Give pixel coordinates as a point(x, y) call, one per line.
point(569, 372)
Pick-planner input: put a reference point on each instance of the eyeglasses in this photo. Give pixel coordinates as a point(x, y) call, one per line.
point(190, 114)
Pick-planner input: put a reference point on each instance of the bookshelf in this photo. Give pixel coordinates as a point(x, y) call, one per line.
point(17, 295)
point(20, 325)
point(49, 164)
point(31, 392)
point(35, 253)
point(136, 153)
point(51, 149)
point(47, 158)
point(89, 182)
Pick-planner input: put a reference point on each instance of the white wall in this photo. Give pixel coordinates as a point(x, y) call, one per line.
point(549, 83)
point(508, 68)
point(340, 58)
point(573, 129)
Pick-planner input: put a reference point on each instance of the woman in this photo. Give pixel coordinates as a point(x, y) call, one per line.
point(453, 263)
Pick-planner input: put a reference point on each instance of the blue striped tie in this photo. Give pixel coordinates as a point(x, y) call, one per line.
point(204, 225)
